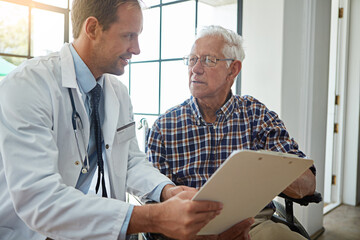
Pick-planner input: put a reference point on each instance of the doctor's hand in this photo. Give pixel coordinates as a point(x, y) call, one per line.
point(239, 231)
point(170, 190)
point(181, 218)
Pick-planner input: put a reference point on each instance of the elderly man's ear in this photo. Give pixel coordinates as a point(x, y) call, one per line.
point(235, 68)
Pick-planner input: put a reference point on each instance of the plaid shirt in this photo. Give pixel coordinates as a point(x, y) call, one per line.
point(188, 150)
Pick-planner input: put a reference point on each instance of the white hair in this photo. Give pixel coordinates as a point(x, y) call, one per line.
point(233, 42)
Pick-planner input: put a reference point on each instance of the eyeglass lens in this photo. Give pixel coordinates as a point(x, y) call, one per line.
point(209, 61)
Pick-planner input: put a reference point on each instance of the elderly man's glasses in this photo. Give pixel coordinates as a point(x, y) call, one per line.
point(208, 61)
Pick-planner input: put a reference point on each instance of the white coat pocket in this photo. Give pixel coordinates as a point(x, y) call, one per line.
point(126, 132)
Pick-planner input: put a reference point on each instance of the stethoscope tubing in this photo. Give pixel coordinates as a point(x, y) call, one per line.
point(74, 118)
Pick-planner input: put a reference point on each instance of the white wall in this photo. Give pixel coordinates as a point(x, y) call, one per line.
point(305, 89)
point(263, 39)
point(225, 15)
point(287, 47)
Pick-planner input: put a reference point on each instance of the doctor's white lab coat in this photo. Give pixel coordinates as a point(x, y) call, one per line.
point(39, 162)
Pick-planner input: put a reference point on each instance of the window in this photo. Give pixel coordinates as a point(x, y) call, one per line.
point(29, 29)
point(157, 78)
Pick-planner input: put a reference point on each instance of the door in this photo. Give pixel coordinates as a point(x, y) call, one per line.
point(336, 104)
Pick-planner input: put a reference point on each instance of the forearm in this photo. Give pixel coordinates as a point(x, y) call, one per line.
point(166, 193)
point(302, 186)
point(141, 220)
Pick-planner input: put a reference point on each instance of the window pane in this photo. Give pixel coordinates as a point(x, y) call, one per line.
point(223, 15)
point(144, 87)
point(178, 29)
point(168, 1)
point(47, 32)
point(14, 60)
point(56, 3)
point(149, 38)
point(174, 84)
point(7, 64)
point(71, 37)
point(14, 28)
point(149, 3)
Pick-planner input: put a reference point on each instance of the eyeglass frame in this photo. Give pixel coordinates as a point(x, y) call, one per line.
point(186, 60)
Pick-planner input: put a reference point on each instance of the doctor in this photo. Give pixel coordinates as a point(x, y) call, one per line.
point(48, 157)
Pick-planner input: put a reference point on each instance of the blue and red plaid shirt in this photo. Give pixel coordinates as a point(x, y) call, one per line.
point(188, 150)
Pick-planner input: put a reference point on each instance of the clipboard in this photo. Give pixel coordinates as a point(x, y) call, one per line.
point(246, 182)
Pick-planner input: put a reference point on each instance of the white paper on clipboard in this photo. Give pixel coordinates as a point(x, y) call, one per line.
point(246, 182)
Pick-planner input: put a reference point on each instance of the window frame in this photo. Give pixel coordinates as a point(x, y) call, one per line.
point(160, 59)
point(32, 4)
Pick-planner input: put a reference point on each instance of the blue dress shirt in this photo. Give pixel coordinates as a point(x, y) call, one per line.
point(86, 82)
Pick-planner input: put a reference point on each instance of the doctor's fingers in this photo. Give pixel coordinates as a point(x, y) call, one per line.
point(197, 206)
point(207, 206)
point(192, 222)
point(202, 218)
point(197, 212)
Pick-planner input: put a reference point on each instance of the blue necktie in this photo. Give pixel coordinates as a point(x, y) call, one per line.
point(95, 94)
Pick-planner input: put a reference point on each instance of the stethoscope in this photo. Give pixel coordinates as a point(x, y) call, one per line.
point(78, 127)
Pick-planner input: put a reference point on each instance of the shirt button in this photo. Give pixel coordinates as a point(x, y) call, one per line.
point(107, 146)
point(77, 163)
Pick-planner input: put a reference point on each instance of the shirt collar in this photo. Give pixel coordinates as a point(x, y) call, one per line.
point(84, 77)
point(196, 111)
point(227, 109)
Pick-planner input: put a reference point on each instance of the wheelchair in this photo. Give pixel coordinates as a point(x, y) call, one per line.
point(283, 214)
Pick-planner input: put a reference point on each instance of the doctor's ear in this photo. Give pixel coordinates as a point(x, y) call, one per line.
point(92, 27)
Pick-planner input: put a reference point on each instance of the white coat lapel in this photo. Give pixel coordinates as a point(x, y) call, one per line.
point(112, 108)
point(69, 82)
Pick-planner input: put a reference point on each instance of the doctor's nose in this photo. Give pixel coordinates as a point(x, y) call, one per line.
point(135, 47)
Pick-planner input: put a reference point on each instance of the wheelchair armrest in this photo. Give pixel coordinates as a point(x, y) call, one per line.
point(286, 214)
point(315, 198)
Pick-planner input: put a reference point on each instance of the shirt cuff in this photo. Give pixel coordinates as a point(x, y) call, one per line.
point(125, 225)
point(156, 193)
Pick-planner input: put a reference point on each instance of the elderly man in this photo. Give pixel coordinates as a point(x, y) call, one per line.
point(68, 152)
point(190, 141)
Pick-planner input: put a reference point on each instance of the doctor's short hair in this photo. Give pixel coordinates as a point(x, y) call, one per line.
point(103, 10)
point(233, 47)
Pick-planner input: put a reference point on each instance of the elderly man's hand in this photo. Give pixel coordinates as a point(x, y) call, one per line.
point(239, 231)
point(302, 186)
